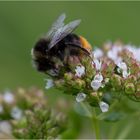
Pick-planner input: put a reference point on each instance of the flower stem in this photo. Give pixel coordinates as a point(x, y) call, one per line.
point(126, 130)
point(94, 119)
point(95, 123)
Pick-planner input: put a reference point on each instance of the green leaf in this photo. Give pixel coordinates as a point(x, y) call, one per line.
point(82, 109)
point(112, 116)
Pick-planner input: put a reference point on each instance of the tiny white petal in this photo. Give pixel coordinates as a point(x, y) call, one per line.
point(16, 113)
point(125, 74)
point(123, 66)
point(8, 97)
point(53, 72)
point(134, 50)
point(97, 53)
point(104, 106)
point(106, 80)
point(98, 64)
point(80, 97)
point(118, 70)
point(118, 60)
point(49, 83)
point(95, 84)
point(112, 55)
point(98, 77)
point(80, 70)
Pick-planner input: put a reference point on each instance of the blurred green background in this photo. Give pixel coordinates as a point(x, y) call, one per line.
point(22, 23)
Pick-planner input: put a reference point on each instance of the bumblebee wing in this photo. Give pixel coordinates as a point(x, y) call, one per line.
point(56, 25)
point(63, 32)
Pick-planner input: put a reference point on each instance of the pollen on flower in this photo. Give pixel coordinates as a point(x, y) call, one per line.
point(80, 71)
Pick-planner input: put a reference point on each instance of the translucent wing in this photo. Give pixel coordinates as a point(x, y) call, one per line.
point(63, 32)
point(56, 25)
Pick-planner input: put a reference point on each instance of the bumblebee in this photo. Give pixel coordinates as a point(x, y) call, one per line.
point(60, 48)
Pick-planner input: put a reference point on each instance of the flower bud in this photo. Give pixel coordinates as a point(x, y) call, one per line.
point(131, 79)
point(93, 99)
point(61, 119)
point(49, 123)
point(53, 131)
point(78, 84)
point(59, 83)
point(138, 87)
point(116, 81)
point(129, 88)
point(68, 76)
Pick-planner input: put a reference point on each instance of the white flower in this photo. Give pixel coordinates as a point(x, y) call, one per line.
point(135, 50)
point(122, 65)
point(1, 108)
point(98, 77)
point(95, 84)
point(118, 60)
point(97, 53)
point(8, 97)
point(113, 54)
point(103, 106)
point(5, 127)
point(16, 113)
point(80, 70)
point(98, 64)
point(80, 97)
point(125, 74)
point(49, 83)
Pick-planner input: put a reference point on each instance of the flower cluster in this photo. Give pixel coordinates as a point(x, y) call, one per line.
point(26, 114)
point(111, 71)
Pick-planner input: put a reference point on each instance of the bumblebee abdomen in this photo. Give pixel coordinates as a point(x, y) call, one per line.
point(85, 44)
point(77, 41)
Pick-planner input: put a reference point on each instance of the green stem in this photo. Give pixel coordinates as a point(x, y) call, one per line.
point(126, 130)
point(94, 119)
point(113, 131)
point(96, 127)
